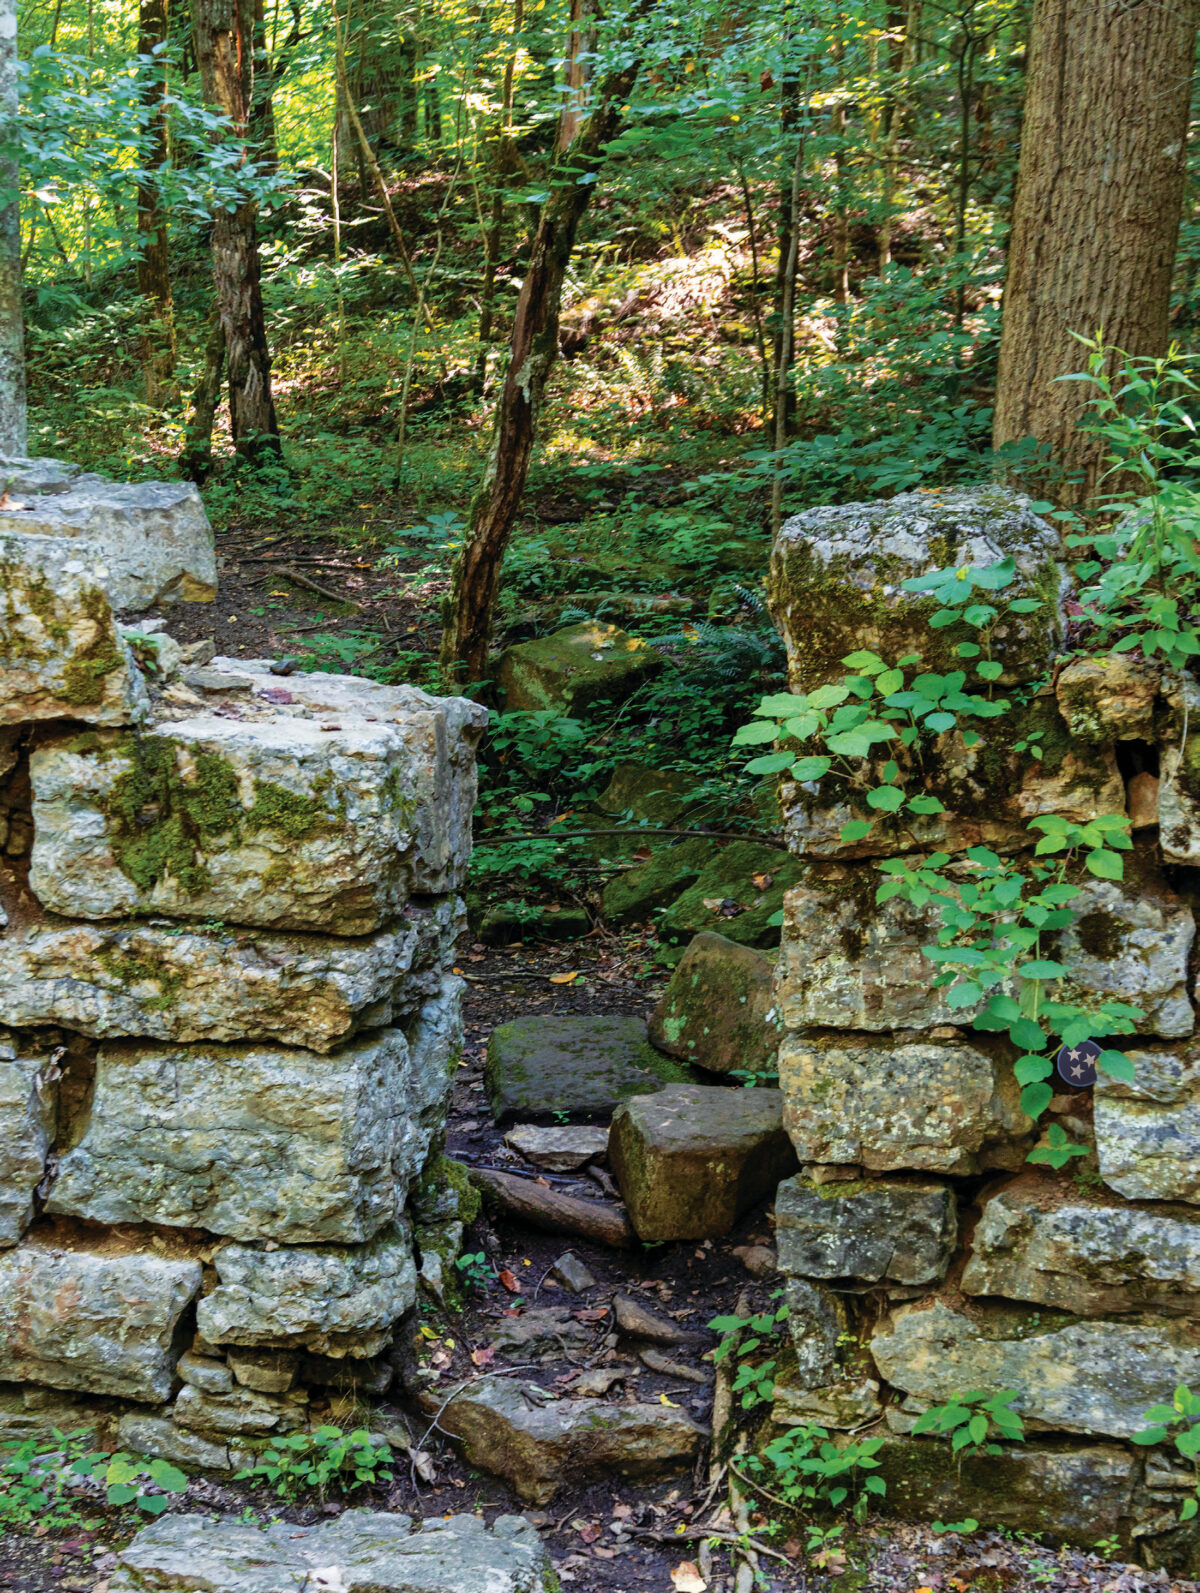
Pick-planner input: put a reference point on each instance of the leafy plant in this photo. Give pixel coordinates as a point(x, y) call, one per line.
point(806, 1468)
point(320, 1460)
point(973, 1422)
point(1178, 1422)
point(475, 1270)
point(36, 1484)
point(752, 1380)
point(134, 1480)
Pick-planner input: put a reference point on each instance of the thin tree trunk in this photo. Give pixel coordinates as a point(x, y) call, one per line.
point(197, 453)
point(13, 439)
point(787, 340)
point(493, 233)
point(1097, 210)
point(786, 257)
point(225, 31)
point(534, 346)
point(154, 263)
point(582, 43)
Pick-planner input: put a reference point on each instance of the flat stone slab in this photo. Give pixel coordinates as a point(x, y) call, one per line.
point(582, 1066)
point(101, 1320)
point(558, 1150)
point(719, 1009)
point(868, 1230)
point(568, 671)
point(1041, 1241)
point(692, 1158)
point(517, 1431)
point(1148, 1130)
point(61, 654)
point(1097, 1378)
point(165, 982)
point(27, 1123)
point(945, 1108)
point(334, 1300)
point(154, 536)
point(306, 817)
point(368, 1552)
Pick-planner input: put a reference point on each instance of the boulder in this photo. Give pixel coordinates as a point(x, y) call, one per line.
point(845, 1404)
point(567, 672)
point(581, 1066)
point(633, 895)
point(24, 477)
point(692, 1158)
point(239, 1413)
point(255, 1143)
point(641, 795)
point(265, 1371)
point(517, 1431)
point(160, 1439)
point(739, 893)
point(61, 655)
point(335, 1300)
point(1071, 1376)
point(1179, 785)
point(558, 1150)
point(870, 1231)
point(1084, 1252)
point(361, 1551)
point(154, 536)
point(837, 572)
point(295, 820)
point(919, 1104)
point(210, 983)
point(541, 1333)
point(105, 1320)
point(1148, 1130)
point(27, 1122)
point(719, 1009)
point(821, 1339)
point(1109, 697)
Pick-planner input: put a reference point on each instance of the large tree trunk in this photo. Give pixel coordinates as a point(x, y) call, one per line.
point(12, 323)
point(1096, 216)
point(532, 352)
point(154, 266)
point(224, 32)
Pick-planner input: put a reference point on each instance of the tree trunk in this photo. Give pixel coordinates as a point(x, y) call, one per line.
point(225, 53)
point(154, 264)
point(1097, 210)
point(532, 352)
point(197, 453)
point(12, 322)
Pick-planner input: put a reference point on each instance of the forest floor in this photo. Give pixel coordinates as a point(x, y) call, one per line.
point(605, 1536)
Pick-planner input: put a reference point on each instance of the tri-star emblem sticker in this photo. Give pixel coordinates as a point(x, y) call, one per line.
point(1077, 1064)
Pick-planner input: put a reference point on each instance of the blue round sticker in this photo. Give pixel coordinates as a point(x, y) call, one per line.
point(1077, 1064)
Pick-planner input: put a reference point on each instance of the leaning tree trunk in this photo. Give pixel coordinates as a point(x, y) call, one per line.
point(12, 324)
point(154, 266)
point(225, 51)
point(1096, 216)
point(532, 352)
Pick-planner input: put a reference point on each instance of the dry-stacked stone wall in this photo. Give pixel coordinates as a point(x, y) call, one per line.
point(924, 1255)
point(227, 1021)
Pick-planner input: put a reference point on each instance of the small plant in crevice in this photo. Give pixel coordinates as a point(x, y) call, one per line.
point(316, 1462)
point(741, 1337)
point(1179, 1424)
point(475, 1271)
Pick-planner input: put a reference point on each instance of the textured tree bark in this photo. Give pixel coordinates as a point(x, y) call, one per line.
point(1097, 209)
point(224, 32)
point(154, 261)
point(533, 349)
point(12, 322)
point(197, 452)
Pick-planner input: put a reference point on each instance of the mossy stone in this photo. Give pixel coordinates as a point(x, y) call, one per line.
point(632, 896)
point(652, 796)
point(745, 906)
point(582, 1066)
point(718, 1011)
point(569, 671)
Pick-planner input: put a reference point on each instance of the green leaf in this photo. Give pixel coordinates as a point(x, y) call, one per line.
point(940, 721)
point(120, 1493)
point(1032, 1069)
point(1035, 1098)
point(1042, 968)
point(754, 734)
point(1105, 864)
point(856, 830)
point(829, 696)
point(886, 798)
point(990, 670)
point(891, 680)
point(810, 768)
point(925, 804)
point(1025, 1033)
point(773, 763)
point(1117, 1065)
point(866, 662)
point(1024, 605)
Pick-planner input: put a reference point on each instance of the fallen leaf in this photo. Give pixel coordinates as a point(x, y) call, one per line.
point(714, 903)
point(604, 1554)
point(595, 1313)
point(663, 1400)
point(686, 1578)
point(763, 882)
point(424, 1465)
point(509, 1281)
point(564, 978)
point(484, 1356)
point(590, 1531)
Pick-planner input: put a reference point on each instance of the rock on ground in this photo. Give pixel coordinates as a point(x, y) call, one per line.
point(517, 1431)
point(560, 1149)
point(719, 1009)
point(1148, 1130)
point(738, 892)
point(870, 1231)
point(103, 1320)
point(366, 1551)
point(640, 794)
point(570, 670)
point(581, 1066)
point(692, 1158)
point(633, 895)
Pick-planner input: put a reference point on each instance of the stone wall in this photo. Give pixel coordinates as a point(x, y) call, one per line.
point(227, 1024)
point(924, 1256)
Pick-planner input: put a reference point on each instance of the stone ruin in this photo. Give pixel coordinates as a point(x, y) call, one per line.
point(924, 1257)
point(227, 1021)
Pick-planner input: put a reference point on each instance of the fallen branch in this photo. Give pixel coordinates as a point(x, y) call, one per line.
point(772, 839)
point(706, 1532)
point(599, 1220)
point(322, 591)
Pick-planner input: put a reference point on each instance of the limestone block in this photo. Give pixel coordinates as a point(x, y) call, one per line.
point(154, 536)
point(719, 1009)
point(692, 1158)
point(583, 664)
point(1092, 1377)
point(239, 1412)
point(161, 1439)
point(1110, 697)
point(847, 1403)
point(867, 1230)
point(24, 477)
point(848, 963)
point(257, 1143)
point(286, 821)
point(61, 655)
point(335, 1300)
point(265, 1371)
point(435, 1038)
point(584, 1066)
point(818, 1324)
point(27, 1120)
point(1148, 1131)
point(214, 984)
point(740, 890)
point(1179, 760)
point(105, 1320)
point(836, 574)
point(362, 1551)
point(1042, 1241)
point(946, 1108)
